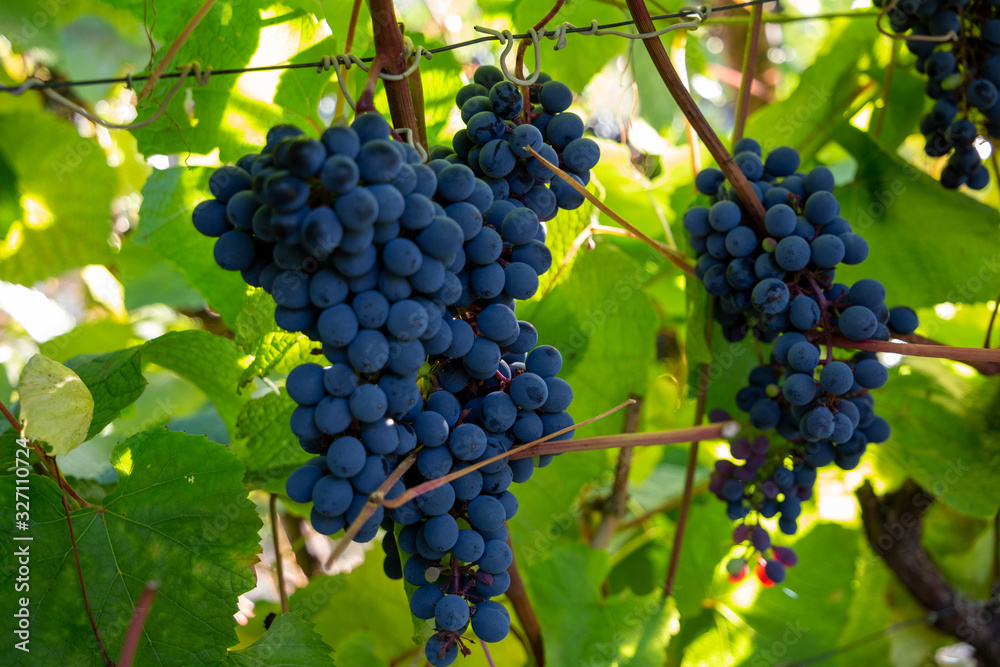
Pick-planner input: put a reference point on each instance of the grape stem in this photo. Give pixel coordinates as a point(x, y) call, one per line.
point(522, 47)
point(689, 470)
point(677, 258)
point(390, 50)
point(749, 72)
point(894, 527)
point(415, 491)
point(678, 436)
point(658, 54)
point(174, 48)
point(275, 525)
point(964, 354)
point(47, 461)
point(79, 571)
point(374, 500)
point(348, 46)
point(486, 652)
point(139, 618)
point(518, 596)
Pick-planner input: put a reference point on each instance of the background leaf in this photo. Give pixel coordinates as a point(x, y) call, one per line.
point(169, 196)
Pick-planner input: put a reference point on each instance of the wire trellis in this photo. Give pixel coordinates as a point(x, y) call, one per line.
point(694, 17)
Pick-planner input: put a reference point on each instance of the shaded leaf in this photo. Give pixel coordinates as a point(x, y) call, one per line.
point(211, 363)
point(67, 224)
point(897, 208)
point(179, 516)
point(115, 381)
point(581, 625)
point(944, 434)
point(272, 451)
point(165, 226)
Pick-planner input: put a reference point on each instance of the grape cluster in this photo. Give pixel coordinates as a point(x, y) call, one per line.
point(498, 133)
point(780, 287)
point(963, 78)
point(782, 279)
point(407, 275)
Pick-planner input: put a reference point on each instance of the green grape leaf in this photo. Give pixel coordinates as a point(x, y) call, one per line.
point(566, 65)
point(179, 516)
point(377, 604)
point(299, 90)
point(227, 37)
point(272, 348)
point(115, 381)
point(271, 451)
point(605, 327)
point(10, 196)
point(944, 434)
point(360, 649)
point(706, 542)
point(168, 198)
point(902, 109)
point(823, 95)
point(91, 337)
point(149, 279)
point(290, 641)
point(581, 626)
point(696, 305)
point(807, 614)
point(896, 207)
point(66, 223)
point(212, 363)
point(56, 406)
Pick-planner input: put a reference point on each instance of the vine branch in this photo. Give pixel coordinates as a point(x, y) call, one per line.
point(390, 47)
point(83, 589)
point(175, 47)
point(374, 500)
point(47, 461)
point(518, 596)
point(893, 526)
point(749, 73)
point(963, 354)
point(139, 618)
point(615, 507)
point(691, 111)
point(348, 47)
point(674, 437)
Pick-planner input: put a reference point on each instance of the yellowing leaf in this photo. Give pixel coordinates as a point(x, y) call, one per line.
point(56, 405)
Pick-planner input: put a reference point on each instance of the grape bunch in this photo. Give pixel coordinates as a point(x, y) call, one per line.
point(779, 285)
point(407, 276)
point(963, 78)
point(782, 278)
point(499, 130)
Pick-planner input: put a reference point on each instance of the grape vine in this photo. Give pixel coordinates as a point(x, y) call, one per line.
point(408, 275)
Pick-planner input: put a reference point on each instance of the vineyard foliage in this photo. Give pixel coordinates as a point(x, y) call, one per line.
point(182, 433)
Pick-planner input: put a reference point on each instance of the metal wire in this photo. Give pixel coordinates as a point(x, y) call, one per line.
point(35, 84)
